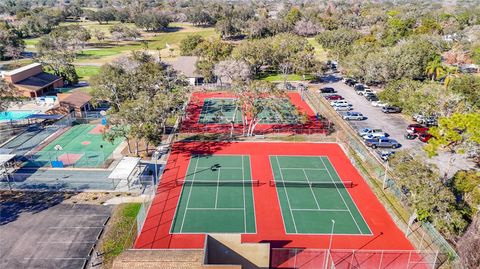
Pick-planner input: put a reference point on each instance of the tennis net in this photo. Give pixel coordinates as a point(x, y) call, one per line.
point(218, 182)
point(315, 184)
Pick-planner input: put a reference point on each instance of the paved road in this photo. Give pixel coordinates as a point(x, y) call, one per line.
point(43, 233)
point(394, 125)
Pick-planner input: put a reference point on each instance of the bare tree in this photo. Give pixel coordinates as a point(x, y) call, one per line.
point(232, 71)
point(306, 28)
point(469, 245)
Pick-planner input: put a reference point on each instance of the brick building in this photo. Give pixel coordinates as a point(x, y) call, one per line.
point(31, 81)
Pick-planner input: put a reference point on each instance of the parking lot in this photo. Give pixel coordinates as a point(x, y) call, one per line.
point(45, 233)
point(394, 125)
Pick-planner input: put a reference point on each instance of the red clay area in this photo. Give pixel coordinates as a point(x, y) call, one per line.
point(191, 125)
point(156, 230)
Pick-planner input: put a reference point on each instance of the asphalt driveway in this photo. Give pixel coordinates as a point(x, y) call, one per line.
point(394, 125)
point(46, 233)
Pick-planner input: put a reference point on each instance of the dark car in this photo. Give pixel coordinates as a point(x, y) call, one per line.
point(334, 97)
point(391, 109)
point(371, 97)
point(327, 90)
point(359, 87)
point(350, 82)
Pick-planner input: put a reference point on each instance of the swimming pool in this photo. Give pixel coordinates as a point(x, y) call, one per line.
point(15, 115)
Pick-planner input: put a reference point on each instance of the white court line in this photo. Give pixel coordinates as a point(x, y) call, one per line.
point(189, 194)
point(54, 258)
point(244, 198)
point(210, 167)
point(76, 227)
point(311, 189)
point(286, 194)
point(66, 242)
point(358, 209)
point(76, 215)
point(214, 209)
point(218, 185)
point(341, 196)
point(294, 168)
point(313, 209)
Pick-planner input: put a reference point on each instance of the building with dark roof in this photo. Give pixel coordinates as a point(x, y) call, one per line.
point(31, 81)
point(187, 65)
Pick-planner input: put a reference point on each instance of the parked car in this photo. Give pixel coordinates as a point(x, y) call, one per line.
point(385, 154)
point(430, 121)
point(378, 103)
point(358, 87)
point(424, 137)
point(391, 109)
point(371, 97)
point(327, 90)
point(416, 129)
point(382, 142)
point(349, 81)
point(334, 97)
point(365, 91)
point(367, 131)
point(353, 116)
point(337, 102)
point(342, 107)
point(375, 135)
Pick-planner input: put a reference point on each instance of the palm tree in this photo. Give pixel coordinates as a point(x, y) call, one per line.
point(450, 74)
point(435, 69)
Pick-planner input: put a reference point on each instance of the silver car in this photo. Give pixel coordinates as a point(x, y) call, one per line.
point(353, 116)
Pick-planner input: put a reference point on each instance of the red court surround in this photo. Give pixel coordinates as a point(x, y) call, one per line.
point(191, 125)
point(155, 233)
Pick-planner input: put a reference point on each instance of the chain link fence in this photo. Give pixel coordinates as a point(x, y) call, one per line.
point(382, 181)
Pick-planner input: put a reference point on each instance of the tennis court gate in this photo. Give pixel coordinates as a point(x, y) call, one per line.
point(352, 259)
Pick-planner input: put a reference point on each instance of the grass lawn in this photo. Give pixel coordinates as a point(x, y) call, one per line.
point(280, 77)
point(319, 51)
point(85, 72)
point(120, 233)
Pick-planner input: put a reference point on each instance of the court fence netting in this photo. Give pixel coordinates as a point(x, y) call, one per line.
point(32, 181)
point(69, 158)
point(349, 258)
point(382, 181)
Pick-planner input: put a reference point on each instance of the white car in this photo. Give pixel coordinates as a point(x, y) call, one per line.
point(378, 104)
point(343, 107)
point(374, 135)
point(366, 91)
point(339, 102)
point(367, 131)
point(353, 116)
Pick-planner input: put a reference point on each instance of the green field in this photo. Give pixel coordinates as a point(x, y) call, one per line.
point(312, 197)
point(281, 77)
point(217, 196)
point(86, 72)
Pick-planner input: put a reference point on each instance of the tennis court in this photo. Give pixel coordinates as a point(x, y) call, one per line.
point(278, 111)
point(216, 196)
point(311, 195)
point(81, 146)
point(224, 110)
point(220, 111)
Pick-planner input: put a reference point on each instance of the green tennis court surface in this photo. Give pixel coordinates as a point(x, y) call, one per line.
point(278, 111)
point(224, 110)
point(311, 195)
point(220, 111)
point(216, 197)
point(80, 148)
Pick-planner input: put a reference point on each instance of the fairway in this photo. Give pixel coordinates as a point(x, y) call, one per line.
point(81, 146)
point(216, 196)
point(311, 195)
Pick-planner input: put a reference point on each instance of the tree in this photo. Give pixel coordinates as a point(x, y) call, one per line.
point(433, 201)
point(198, 16)
point(102, 15)
point(99, 35)
point(306, 28)
point(292, 17)
point(211, 52)
point(189, 44)
point(435, 69)
point(456, 134)
point(232, 71)
point(469, 245)
point(255, 97)
point(338, 41)
point(153, 20)
point(121, 31)
point(469, 87)
point(55, 53)
point(227, 28)
point(466, 184)
point(143, 93)
point(8, 95)
point(11, 45)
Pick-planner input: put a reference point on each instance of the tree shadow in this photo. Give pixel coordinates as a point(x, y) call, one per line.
point(13, 204)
